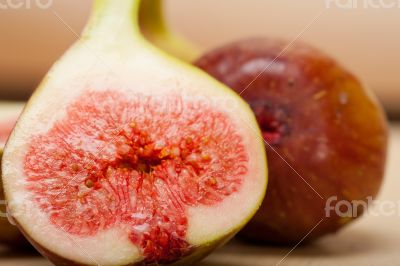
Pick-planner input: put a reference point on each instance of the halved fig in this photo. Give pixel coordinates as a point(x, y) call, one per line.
point(126, 156)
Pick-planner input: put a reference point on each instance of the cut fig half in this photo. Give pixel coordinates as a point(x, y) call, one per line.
point(126, 156)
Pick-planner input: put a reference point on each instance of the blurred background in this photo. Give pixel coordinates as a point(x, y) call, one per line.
point(364, 39)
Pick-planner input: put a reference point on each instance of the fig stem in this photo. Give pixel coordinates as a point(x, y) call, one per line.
point(155, 28)
point(114, 21)
point(152, 18)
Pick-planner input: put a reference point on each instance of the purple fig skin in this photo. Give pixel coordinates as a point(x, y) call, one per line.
point(326, 135)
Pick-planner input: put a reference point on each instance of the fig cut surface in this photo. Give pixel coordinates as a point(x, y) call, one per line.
point(136, 166)
point(126, 156)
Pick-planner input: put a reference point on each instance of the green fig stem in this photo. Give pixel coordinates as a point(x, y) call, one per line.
point(152, 18)
point(114, 21)
point(154, 27)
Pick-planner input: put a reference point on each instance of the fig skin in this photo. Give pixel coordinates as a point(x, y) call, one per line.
point(317, 117)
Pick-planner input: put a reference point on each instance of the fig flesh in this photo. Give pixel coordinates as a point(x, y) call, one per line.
point(127, 156)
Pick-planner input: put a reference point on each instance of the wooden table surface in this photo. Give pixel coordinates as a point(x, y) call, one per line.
point(372, 241)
